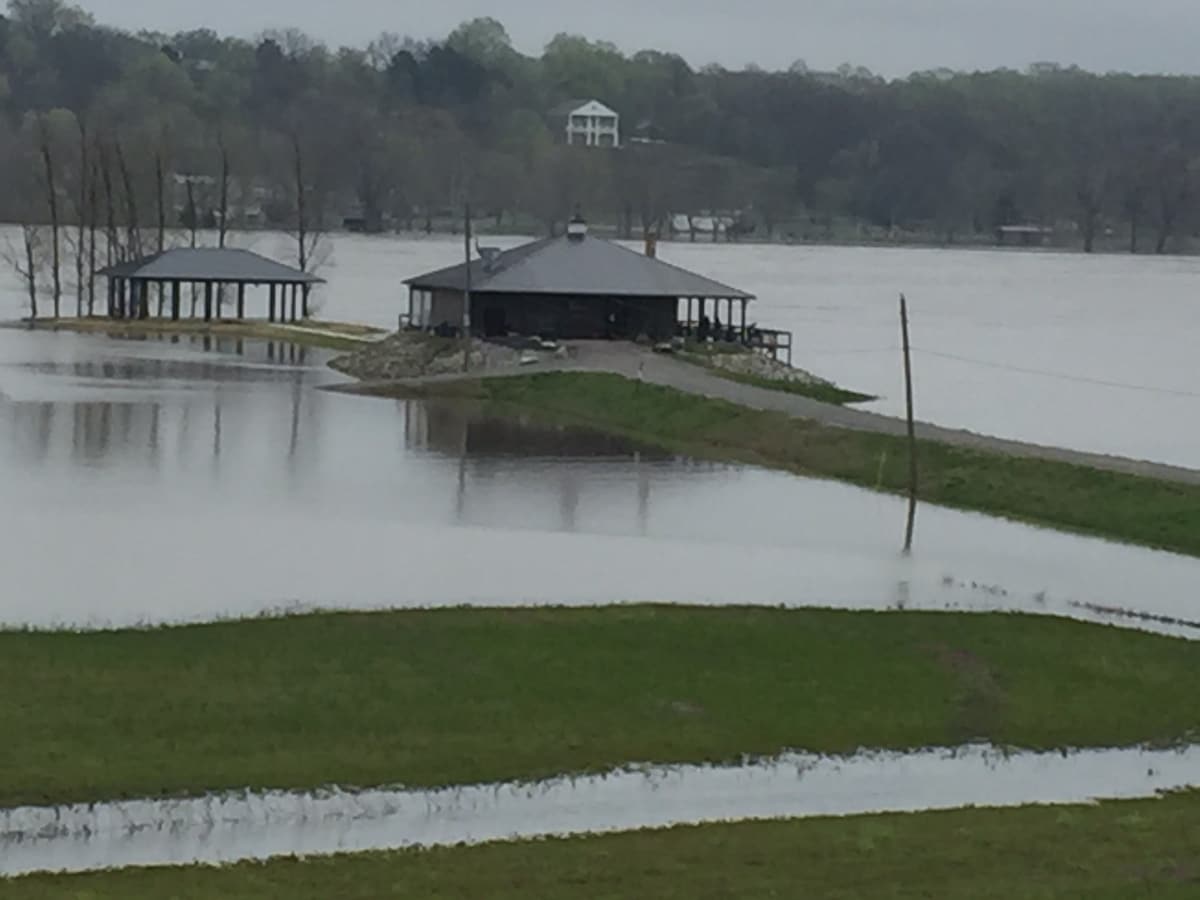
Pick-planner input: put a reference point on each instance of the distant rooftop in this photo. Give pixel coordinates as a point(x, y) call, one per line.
point(588, 267)
point(205, 264)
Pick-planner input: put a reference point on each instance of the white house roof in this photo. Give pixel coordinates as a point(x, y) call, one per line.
point(584, 108)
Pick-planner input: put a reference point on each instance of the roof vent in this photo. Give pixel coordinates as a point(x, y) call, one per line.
point(577, 229)
point(490, 256)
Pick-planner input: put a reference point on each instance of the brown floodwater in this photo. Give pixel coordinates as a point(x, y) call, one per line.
point(176, 480)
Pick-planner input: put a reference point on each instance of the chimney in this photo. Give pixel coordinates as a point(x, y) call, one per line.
point(652, 244)
point(577, 229)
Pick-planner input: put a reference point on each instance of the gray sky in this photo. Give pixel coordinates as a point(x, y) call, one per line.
point(894, 37)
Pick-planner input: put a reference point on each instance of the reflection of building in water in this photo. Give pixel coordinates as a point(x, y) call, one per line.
point(210, 411)
point(452, 428)
point(485, 447)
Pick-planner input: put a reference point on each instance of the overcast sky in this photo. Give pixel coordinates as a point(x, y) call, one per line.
point(894, 37)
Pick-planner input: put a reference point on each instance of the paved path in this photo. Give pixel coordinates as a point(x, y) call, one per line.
point(655, 368)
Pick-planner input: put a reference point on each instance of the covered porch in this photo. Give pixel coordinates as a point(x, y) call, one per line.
point(219, 282)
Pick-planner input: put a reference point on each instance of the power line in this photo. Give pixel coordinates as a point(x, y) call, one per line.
point(1060, 375)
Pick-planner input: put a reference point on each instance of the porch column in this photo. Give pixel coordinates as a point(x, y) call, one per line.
point(241, 301)
point(112, 298)
point(304, 298)
point(271, 304)
point(175, 292)
point(208, 301)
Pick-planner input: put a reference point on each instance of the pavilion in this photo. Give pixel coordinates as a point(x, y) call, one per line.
point(212, 268)
point(576, 287)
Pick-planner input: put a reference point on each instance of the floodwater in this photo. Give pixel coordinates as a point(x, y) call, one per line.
point(243, 827)
point(159, 481)
point(1093, 353)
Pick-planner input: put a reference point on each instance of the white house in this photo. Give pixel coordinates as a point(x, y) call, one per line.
point(588, 123)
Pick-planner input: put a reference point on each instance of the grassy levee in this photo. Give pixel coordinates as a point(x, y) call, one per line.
point(1114, 851)
point(336, 336)
point(1122, 507)
point(468, 696)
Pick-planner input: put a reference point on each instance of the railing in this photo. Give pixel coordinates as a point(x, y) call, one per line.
point(769, 341)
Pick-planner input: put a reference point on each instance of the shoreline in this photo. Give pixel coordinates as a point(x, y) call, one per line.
point(339, 336)
point(1049, 487)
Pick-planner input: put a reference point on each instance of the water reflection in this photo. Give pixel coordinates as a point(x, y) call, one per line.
point(252, 826)
point(316, 499)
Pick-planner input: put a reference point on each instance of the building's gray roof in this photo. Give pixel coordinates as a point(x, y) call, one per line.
point(591, 267)
point(200, 264)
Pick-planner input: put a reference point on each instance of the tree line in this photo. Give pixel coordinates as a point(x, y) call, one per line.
point(111, 141)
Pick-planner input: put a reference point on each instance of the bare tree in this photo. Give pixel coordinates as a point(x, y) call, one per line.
point(44, 144)
point(133, 229)
point(223, 214)
point(83, 208)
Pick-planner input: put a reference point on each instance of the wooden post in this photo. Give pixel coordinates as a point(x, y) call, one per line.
point(295, 295)
point(745, 334)
point(304, 300)
point(208, 301)
point(241, 312)
point(466, 317)
point(143, 299)
point(175, 300)
point(162, 297)
point(112, 298)
point(912, 429)
point(271, 303)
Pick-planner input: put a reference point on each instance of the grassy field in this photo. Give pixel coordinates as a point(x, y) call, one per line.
point(1075, 498)
point(299, 333)
point(464, 696)
point(1116, 851)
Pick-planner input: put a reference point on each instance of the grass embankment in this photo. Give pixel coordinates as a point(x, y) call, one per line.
point(310, 333)
point(713, 357)
point(1114, 851)
point(466, 696)
point(1123, 507)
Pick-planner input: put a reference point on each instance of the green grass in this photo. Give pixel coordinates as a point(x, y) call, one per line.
point(1114, 851)
point(465, 696)
point(825, 393)
point(1123, 507)
point(248, 329)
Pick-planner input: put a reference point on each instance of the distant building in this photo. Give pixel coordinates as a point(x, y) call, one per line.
point(1024, 235)
point(587, 123)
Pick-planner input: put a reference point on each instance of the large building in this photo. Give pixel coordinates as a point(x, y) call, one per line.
point(573, 287)
point(587, 123)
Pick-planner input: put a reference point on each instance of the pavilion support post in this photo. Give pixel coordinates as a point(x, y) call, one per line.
point(271, 303)
point(119, 300)
point(143, 299)
point(745, 334)
point(162, 297)
point(175, 300)
point(241, 301)
point(295, 299)
point(208, 301)
point(112, 298)
point(304, 301)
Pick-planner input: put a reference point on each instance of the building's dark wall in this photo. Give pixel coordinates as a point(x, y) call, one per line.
point(575, 318)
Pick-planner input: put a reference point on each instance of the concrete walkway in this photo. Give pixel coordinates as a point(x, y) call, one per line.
point(655, 368)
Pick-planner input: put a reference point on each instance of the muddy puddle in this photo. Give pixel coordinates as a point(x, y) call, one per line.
point(253, 826)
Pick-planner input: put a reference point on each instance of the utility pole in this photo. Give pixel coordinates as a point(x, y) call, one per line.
point(466, 319)
point(912, 429)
